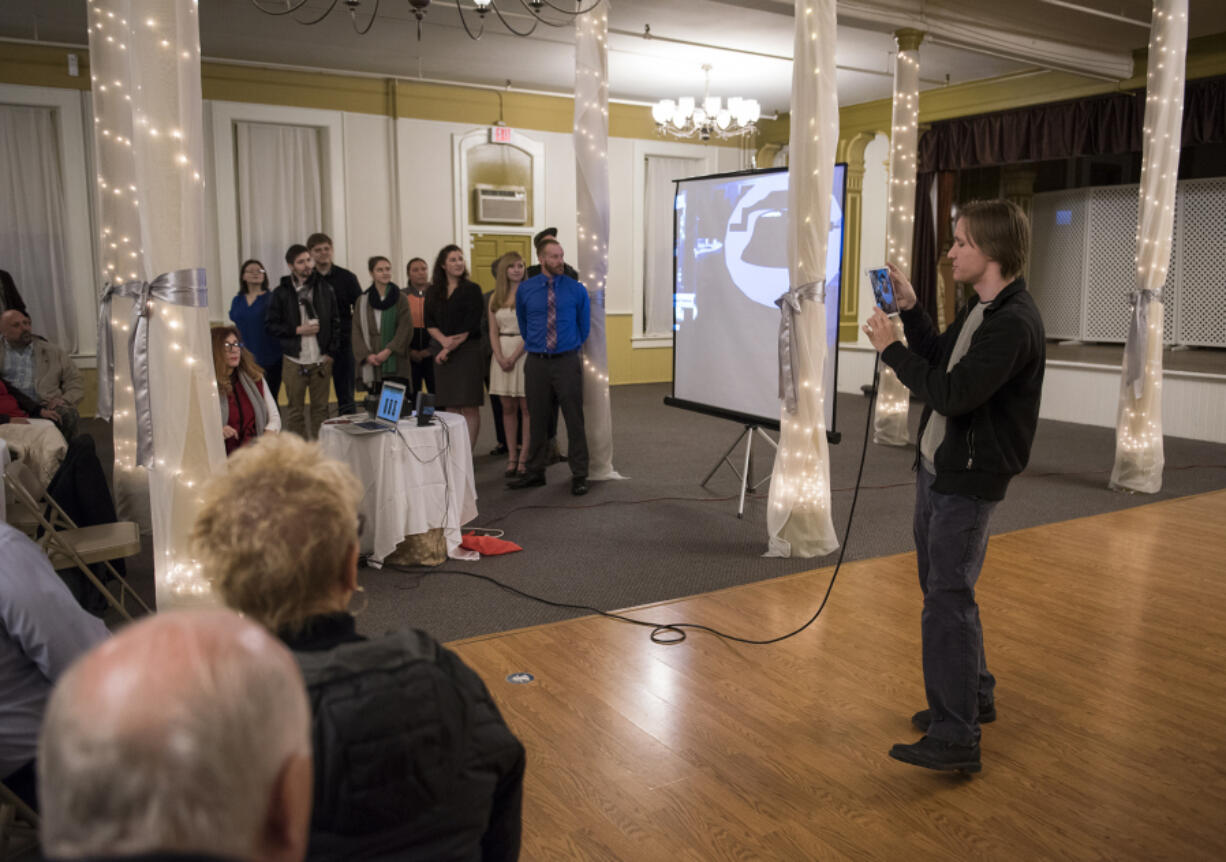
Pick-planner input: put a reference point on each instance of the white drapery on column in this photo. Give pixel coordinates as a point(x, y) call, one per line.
point(32, 225)
point(893, 408)
point(280, 191)
point(153, 48)
point(798, 510)
point(592, 192)
point(1138, 429)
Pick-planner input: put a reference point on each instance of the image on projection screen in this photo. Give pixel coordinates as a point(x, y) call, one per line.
point(731, 255)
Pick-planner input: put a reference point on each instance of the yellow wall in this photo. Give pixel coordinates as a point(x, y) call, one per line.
point(628, 365)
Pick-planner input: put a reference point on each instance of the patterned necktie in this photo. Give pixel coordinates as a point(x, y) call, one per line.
point(551, 319)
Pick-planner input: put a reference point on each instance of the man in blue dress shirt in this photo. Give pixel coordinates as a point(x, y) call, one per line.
point(554, 319)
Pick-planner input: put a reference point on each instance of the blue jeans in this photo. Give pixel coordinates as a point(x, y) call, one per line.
point(951, 539)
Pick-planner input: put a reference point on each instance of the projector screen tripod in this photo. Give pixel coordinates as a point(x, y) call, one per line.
point(744, 475)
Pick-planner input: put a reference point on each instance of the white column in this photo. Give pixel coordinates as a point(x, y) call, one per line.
point(1138, 429)
point(120, 250)
point(893, 399)
point(592, 193)
point(158, 43)
point(798, 517)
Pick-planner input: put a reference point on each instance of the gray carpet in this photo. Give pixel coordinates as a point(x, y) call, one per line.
point(659, 535)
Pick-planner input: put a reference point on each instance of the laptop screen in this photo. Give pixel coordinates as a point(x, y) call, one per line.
point(391, 400)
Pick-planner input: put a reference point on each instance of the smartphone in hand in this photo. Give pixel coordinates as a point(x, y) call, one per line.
point(883, 290)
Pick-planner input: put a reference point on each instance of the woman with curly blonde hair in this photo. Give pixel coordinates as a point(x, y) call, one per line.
point(248, 406)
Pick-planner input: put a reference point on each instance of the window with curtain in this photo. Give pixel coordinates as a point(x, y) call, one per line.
point(32, 227)
point(658, 240)
point(280, 193)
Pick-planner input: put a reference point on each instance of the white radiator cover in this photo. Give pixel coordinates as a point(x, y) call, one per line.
point(1083, 263)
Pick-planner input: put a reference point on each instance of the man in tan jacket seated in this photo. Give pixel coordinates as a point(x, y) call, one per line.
point(40, 370)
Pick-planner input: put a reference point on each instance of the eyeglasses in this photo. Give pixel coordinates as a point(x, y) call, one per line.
point(232, 345)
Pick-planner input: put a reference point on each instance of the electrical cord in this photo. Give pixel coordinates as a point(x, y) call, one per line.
point(675, 633)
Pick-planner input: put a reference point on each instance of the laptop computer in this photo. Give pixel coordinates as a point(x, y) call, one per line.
point(391, 403)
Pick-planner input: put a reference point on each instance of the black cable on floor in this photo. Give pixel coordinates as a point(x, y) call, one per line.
point(675, 633)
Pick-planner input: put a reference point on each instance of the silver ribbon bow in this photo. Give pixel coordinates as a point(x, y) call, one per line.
point(183, 287)
point(106, 346)
point(789, 306)
point(1136, 348)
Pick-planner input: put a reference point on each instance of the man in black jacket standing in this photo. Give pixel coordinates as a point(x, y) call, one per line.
point(347, 289)
point(303, 314)
point(981, 381)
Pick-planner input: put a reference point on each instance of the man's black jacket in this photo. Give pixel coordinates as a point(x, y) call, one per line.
point(283, 316)
point(990, 399)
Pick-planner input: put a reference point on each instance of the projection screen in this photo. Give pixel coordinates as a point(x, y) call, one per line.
point(730, 265)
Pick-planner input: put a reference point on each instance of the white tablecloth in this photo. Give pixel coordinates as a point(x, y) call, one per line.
point(414, 481)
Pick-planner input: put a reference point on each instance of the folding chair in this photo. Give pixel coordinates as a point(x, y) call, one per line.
point(12, 810)
point(68, 545)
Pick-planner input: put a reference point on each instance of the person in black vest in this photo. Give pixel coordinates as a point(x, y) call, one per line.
point(346, 287)
point(980, 380)
point(413, 760)
point(303, 314)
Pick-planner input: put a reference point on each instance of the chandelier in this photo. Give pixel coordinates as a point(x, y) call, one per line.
point(542, 12)
point(686, 118)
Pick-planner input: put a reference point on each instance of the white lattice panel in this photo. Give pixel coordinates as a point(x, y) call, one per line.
point(1057, 261)
point(1202, 295)
point(1083, 263)
point(1111, 265)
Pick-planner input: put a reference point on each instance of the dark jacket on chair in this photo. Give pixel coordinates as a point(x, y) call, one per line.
point(412, 758)
point(284, 317)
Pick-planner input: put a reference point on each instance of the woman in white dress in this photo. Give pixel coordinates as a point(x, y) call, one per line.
point(507, 363)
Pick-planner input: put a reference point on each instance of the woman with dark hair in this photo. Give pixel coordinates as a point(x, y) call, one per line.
point(246, 403)
point(247, 310)
point(453, 319)
point(421, 352)
point(382, 329)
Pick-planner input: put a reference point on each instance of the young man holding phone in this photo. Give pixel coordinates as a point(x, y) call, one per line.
point(981, 381)
point(303, 314)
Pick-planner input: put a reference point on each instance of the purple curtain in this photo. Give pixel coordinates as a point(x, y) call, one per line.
point(1086, 127)
point(924, 246)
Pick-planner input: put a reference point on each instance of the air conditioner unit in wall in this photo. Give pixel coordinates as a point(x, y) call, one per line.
point(501, 204)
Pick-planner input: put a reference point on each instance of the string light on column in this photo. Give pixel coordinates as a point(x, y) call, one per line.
point(893, 407)
point(148, 122)
point(1139, 457)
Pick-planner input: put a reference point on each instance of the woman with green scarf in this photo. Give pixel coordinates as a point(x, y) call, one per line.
point(382, 329)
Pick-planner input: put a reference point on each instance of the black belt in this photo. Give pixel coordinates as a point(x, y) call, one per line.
point(554, 355)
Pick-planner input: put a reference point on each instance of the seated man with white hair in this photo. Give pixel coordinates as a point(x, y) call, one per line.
point(185, 737)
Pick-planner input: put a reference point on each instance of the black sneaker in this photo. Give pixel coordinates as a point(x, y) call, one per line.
point(578, 485)
point(935, 754)
point(528, 480)
point(923, 718)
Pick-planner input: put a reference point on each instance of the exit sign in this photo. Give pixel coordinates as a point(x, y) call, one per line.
point(500, 134)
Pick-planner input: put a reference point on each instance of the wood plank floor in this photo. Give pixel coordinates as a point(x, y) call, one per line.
point(1107, 639)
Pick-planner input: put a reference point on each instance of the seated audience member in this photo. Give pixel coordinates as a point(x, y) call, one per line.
point(41, 370)
point(412, 758)
point(41, 631)
point(248, 406)
point(382, 329)
point(30, 432)
point(9, 295)
point(185, 736)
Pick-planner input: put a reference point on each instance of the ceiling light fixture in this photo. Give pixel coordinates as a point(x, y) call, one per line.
point(542, 12)
point(684, 118)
